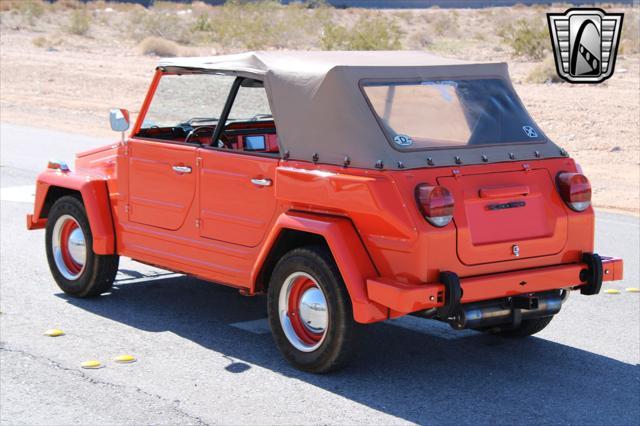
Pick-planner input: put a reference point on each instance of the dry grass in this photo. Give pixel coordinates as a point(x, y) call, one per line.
point(368, 33)
point(158, 46)
point(79, 22)
point(527, 38)
point(544, 72)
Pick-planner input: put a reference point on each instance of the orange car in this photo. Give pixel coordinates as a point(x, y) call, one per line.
point(348, 187)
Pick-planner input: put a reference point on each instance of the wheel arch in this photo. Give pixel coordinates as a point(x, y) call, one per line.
point(94, 194)
point(296, 229)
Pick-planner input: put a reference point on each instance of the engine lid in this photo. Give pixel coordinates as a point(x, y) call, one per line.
point(506, 216)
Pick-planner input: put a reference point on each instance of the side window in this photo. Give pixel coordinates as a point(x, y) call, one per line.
point(251, 104)
point(250, 127)
point(184, 102)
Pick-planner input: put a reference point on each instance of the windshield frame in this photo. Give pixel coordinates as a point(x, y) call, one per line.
point(362, 83)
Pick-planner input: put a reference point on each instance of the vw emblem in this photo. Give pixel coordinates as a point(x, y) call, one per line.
point(515, 250)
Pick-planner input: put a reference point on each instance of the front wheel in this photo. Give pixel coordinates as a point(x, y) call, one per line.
point(78, 271)
point(310, 311)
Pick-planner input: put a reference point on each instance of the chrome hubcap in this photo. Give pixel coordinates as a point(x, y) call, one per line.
point(303, 312)
point(313, 310)
point(69, 247)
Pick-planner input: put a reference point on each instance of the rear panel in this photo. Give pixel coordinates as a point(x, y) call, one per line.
point(506, 215)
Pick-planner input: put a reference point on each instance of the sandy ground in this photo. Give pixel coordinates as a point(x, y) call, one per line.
point(71, 87)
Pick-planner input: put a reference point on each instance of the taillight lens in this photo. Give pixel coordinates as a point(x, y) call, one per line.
point(575, 190)
point(435, 203)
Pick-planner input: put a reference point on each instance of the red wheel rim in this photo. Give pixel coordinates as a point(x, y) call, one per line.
point(303, 312)
point(68, 227)
point(300, 285)
point(69, 247)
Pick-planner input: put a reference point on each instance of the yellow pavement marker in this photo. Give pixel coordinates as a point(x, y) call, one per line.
point(612, 291)
point(54, 332)
point(92, 363)
point(124, 359)
point(633, 290)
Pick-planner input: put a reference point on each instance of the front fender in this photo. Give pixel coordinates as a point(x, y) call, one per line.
point(95, 197)
point(350, 255)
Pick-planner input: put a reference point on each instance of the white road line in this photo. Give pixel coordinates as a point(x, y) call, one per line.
point(259, 326)
point(430, 327)
point(18, 194)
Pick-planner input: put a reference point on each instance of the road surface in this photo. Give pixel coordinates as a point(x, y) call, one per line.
point(205, 356)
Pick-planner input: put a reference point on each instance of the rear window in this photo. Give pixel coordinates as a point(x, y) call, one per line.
point(450, 113)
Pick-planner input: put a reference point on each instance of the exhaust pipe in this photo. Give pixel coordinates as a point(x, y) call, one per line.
point(507, 311)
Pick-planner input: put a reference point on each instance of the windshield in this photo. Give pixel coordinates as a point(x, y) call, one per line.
point(187, 99)
point(450, 113)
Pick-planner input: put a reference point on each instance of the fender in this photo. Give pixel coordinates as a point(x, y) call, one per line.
point(96, 202)
point(350, 255)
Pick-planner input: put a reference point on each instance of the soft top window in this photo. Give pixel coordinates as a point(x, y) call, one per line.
point(450, 113)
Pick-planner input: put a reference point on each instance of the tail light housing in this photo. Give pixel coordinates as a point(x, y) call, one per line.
point(575, 190)
point(435, 204)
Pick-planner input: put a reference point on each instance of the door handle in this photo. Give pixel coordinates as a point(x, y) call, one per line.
point(261, 182)
point(181, 169)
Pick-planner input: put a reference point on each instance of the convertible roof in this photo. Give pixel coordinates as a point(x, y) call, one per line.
point(307, 62)
point(321, 113)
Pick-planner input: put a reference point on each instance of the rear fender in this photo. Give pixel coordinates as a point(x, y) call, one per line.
point(95, 197)
point(347, 249)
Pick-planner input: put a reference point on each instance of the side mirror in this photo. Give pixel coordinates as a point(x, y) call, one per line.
point(119, 118)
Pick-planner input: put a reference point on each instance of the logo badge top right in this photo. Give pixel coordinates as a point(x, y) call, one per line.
point(585, 43)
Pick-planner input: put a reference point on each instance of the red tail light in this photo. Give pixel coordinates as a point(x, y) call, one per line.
point(435, 203)
point(575, 190)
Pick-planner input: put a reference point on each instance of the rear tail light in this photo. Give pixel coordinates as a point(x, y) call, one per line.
point(575, 190)
point(435, 203)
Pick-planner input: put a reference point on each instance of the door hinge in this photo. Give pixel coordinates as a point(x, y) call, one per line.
point(198, 161)
point(197, 223)
point(127, 208)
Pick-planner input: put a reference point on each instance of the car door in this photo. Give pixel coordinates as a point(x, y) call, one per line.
point(161, 156)
point(162, 182)
point(237, 199)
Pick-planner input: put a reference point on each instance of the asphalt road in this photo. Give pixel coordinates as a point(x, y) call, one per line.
point(205, 355)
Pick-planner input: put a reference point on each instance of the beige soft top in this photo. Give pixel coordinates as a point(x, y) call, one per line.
point(321, 112)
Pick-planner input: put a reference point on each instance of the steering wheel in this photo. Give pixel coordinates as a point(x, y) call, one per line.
point(260, 117)
point(195, 131)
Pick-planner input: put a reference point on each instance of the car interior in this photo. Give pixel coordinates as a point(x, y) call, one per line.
point(256, 134)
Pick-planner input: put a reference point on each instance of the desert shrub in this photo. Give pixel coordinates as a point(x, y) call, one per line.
point(159, 47)
point(544, 72)
point(420, 40)
point(445, 23)
point(68, 4)
point(528, 39)
point(261, 24)
point(165, 25)
point(202, 24)
point(40, 41)
point(28, 10)
point(79, 22)
point(630, 37)
point(369, 33)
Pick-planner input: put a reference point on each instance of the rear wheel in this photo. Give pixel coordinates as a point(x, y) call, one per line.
point(527, 327)
point(310, 311)
point(78, 271)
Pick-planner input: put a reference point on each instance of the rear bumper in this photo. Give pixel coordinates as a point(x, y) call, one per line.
point(405, 298)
